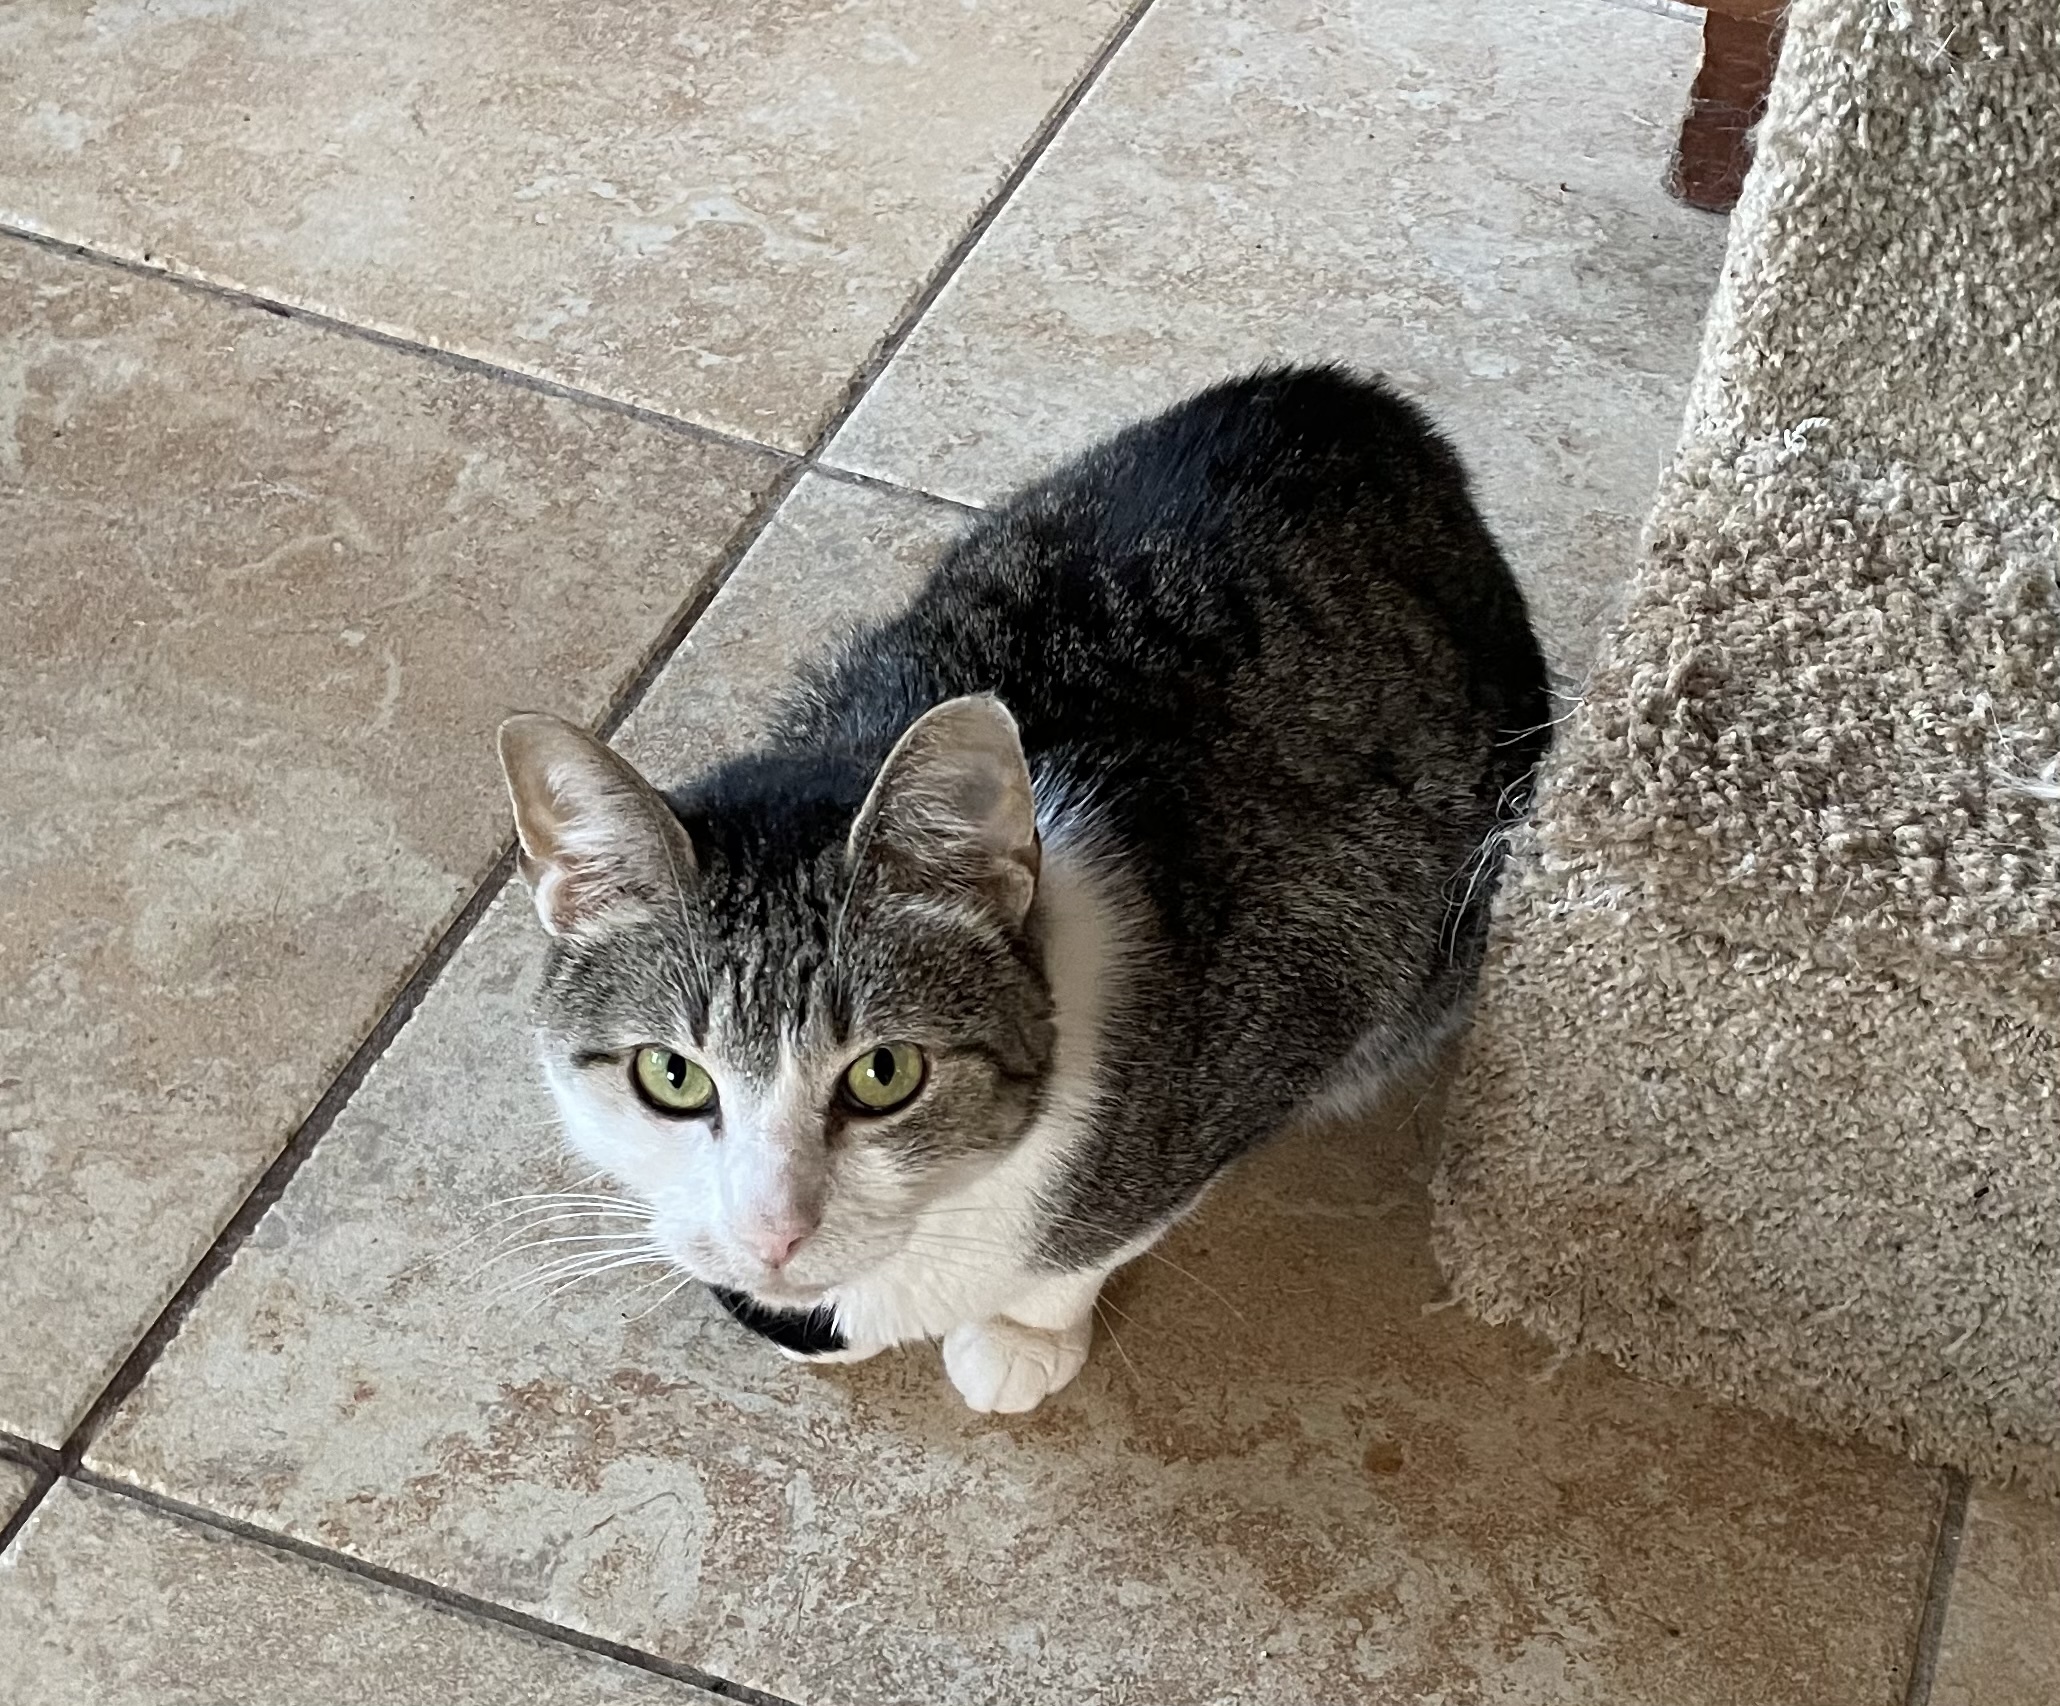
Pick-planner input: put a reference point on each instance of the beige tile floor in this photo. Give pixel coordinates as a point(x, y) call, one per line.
point(267, 587)
point(428, 360)
point(1998, 1645)
point(711, 208)
point(115, 1601)
point(17, 1483)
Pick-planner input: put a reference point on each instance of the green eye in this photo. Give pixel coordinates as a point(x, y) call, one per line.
point(671, 1082)
point(880, 1080)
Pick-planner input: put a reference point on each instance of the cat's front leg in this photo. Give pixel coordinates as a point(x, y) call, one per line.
point(1013, 1362)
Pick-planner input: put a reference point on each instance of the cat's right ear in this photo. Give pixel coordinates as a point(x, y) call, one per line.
point(593, 836)
point(952, 811)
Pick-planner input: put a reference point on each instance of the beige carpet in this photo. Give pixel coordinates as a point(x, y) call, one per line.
point(1764, 1090)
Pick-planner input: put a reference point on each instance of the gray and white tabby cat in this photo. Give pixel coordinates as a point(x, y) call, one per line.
point(1168, 813)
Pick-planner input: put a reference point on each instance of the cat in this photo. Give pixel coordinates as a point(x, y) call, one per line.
point(1167, 813)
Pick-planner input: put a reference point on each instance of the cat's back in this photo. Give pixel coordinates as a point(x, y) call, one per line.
point(1263, 651)
point(1286, 569)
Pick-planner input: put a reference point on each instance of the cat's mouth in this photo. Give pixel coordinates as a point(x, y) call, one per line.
point(775, 1294)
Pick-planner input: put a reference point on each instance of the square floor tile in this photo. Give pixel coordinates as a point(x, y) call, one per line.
point(107, 1603)
point(268, 589)
point(1282, 1478)
point(1465, 193)
point(712, 208)
point(2001, 1642)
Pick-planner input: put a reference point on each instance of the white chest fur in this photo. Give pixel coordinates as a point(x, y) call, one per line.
point(971, 1253)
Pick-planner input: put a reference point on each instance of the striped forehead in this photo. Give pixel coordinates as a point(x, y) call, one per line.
point(766, 1006)
point(772, 992)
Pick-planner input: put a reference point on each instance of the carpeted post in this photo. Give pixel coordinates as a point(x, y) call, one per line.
point(1763, 1092)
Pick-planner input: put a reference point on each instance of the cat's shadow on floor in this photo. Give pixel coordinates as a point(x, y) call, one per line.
point(1305, 1279)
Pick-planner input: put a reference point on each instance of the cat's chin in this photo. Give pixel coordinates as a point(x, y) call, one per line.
point(787, 1296)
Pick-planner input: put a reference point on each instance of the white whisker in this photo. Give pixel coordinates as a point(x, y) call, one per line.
point(605, 1243)
point(671, 1292)
point(584, 1265)
point(1101, 1310)
point(536, 1215)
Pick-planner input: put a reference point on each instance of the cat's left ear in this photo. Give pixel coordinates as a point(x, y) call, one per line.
point(593, 836)
point(951, 811)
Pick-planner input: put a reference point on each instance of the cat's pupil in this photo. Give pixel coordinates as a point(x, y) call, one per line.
point(883, 1065)
point(675, 1070)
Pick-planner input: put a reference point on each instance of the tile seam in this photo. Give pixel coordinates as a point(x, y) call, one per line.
point(242, 296)
point(878, 482)
point(475, 366)
point(29, 1453)
point(1938, 1588)
point(42, 1466)
point(955, 258)
point(423, 1588)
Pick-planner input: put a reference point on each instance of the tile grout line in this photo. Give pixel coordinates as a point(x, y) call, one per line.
point(272, 1182)
point(493, 372)
point(32, 1502)
point(1938, 1589)
point(242, 296)
point(960, 252)
point(422, 1588)
point(68, 1462)
point(41, 1462)
point(29, 1453)
point(634, 691)
point(876, 483)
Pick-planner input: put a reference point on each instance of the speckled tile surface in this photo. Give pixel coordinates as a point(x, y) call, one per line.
point(2001, 1642)
point(1281, 1479)
point(268, 589)
point(714, 209)
point(106, 1603)
point(16, 1482)
point(1465, 193)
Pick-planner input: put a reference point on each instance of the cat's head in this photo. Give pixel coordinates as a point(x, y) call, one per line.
point(783, 1023)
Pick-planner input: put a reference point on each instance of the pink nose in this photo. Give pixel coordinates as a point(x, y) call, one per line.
point(774, 1242)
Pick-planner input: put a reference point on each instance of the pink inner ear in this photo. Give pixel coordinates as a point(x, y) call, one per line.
point(562, 897)
point(593, 833)
point(951, 809)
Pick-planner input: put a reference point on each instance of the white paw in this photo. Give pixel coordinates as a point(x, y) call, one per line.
point(1002, 1365)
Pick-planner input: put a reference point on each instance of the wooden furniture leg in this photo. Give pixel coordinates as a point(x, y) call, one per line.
point(1741, 40)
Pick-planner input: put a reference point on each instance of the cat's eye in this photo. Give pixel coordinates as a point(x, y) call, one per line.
point(882, 1079)
point(671, 1082)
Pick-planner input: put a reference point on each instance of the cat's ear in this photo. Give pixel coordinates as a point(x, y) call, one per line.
point(951, 811)
point(593, 835)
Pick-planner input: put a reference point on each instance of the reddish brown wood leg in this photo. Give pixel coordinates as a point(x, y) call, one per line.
point(1730, 95)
